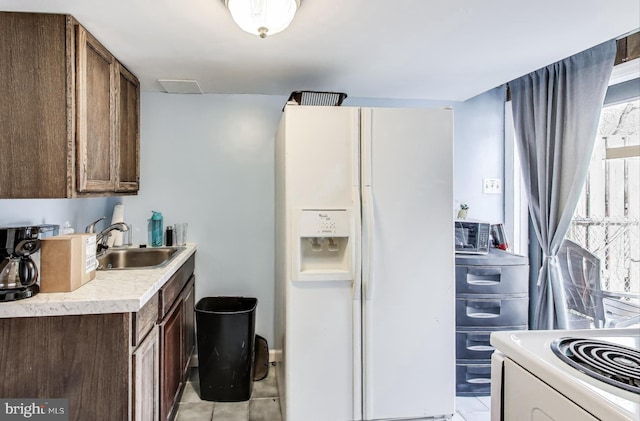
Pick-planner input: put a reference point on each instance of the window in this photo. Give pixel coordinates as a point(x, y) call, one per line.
point(606, 219)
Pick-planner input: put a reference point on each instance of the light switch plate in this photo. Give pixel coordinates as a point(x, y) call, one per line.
point(491, 186)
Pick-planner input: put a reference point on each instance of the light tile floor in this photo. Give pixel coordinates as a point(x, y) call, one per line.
point(264, 404)
point(473, 409)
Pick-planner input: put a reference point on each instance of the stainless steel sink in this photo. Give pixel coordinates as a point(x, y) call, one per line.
point(137, 258)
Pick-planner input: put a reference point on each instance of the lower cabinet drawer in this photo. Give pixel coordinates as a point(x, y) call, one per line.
point(473, 378)
point(144, 320)
point(492, 311)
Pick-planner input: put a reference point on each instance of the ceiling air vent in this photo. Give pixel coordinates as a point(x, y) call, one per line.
point(316, 98)
point(180, 86)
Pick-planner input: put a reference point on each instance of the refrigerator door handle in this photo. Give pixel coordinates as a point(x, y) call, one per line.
point(369, 253)
point(365, 147)
point(368, 217)
point(356, 255)
point(368, 277)
point(357, 303)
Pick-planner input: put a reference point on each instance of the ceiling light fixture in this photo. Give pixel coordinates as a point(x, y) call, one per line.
point(262, 17)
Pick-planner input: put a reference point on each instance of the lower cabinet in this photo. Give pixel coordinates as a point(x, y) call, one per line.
point(145, 390)
point(110, 367)
point(90, 360)
point(161, 360)
point(85, 359)
point(188, 315)
point(171, 349)
point(176, 340)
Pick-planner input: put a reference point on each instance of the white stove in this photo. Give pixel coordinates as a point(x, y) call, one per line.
point(566, 375)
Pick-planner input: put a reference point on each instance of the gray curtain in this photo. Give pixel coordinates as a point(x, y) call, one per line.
point(556, 111)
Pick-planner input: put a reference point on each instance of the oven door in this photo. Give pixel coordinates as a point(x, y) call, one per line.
point(517, 395)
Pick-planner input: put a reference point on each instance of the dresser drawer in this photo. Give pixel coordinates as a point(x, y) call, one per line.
point(492, 279)
point(492, 311)
point(473, 343)
point(473, 379)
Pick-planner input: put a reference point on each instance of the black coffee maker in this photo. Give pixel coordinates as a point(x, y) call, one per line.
point(18, 272)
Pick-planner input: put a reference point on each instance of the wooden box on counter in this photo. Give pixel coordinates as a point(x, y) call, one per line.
point(67, 262)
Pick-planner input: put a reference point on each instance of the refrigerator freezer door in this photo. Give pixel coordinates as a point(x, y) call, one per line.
point(320, 375)
point(408, 351)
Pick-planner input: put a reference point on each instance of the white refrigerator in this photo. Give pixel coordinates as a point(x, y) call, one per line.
point(364, 263)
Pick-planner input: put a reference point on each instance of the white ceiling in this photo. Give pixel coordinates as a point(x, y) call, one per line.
point(424, 49)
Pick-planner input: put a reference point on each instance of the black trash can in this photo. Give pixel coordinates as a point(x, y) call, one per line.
point(226, 337)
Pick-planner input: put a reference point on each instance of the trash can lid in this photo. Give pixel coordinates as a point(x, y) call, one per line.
point(226, 305)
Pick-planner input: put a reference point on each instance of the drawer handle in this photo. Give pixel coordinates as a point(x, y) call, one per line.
point(477, 280)
point(484, 276)
point(480, 348)
point(483, 309)
point(478, 375)
point(479, 342)
point(482, 315)
point(485, 271)
point(479, 380)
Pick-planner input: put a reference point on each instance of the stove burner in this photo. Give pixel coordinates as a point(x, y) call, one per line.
point(614, 364)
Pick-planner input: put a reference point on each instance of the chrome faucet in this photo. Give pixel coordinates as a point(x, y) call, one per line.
point(118, 226)
point(91, 228)
point(101, 237)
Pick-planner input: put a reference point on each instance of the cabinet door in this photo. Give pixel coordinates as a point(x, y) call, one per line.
point(145, 379)
point(189, 324)
point(95, 106)
point(127, 131)
point(35, 114)
point(170, 359)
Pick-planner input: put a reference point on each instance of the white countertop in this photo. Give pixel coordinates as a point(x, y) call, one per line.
point(112, 291)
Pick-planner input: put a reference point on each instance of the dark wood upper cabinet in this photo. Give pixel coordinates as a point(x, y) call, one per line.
point(95, 75)
point(70, 112)
point(128, 134)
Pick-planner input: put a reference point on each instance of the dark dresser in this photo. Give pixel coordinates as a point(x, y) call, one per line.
point(492, 294)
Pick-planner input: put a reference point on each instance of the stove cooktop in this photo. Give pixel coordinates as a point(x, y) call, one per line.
point(614, 364)
point(532, 351)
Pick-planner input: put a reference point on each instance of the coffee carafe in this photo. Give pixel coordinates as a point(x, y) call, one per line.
point(18, 271)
